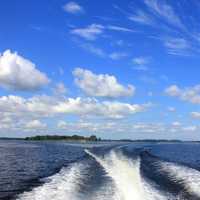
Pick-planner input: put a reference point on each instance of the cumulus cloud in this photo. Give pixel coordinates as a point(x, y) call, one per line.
point(73, 8)
point(92, 107)
point(189, 94)
point(26, 115)
point(173, 90)
point(35, 124)
point(101, 85)
point(18, 73)
point(46, 106)
point(90, 32)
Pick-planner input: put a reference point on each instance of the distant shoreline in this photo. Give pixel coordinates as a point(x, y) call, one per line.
point(92, 138)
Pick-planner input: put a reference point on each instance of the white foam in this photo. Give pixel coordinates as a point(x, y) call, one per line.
point(125, 173)
point(188, 176)
point(61, 186)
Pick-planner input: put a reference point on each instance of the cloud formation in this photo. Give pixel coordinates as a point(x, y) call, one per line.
point(195, 115)
point(35, 124)
point(177, 46)
point(140, 63)
point(189, 94)
point(73, 8)
point(139, 128)
point(90, 32)
point(165, 11)
point(18, 73)
point(47, 106)
point(101, 85)
point(141, 17)
point(117, 55)
point(120, 28)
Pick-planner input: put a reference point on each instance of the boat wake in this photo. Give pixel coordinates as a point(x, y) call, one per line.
point(122, 180)
point(128, 182)
point(63, 185)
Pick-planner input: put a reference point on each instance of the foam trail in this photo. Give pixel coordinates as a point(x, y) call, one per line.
point(106, 192)
point(126, 176)
point(61, 186)
point(188, 176)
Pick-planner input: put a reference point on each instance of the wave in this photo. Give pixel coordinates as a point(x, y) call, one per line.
point(122, 179)
point(127, 179)
point(188, 177)
point(61, 186)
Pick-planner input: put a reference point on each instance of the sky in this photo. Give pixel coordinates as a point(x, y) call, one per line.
point(116, 69)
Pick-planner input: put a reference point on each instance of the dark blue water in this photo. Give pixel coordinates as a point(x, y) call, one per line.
point(118, 171)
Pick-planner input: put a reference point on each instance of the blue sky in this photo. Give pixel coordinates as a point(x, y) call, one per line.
point(117, 69)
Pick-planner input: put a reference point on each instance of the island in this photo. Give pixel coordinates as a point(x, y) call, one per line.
point(91, 138)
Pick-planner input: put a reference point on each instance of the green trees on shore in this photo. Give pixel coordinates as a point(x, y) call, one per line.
point(61, 137)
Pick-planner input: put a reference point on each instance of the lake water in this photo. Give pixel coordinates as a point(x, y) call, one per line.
point(99, 171)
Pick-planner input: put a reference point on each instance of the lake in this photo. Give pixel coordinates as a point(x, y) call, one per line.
point(99, 171)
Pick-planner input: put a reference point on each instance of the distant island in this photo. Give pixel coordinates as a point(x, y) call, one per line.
point(91, 138)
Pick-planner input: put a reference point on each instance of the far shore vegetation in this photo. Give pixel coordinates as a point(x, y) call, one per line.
point(91, 138)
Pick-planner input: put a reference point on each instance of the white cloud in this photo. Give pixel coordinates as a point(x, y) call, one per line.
point(141, 63)
point(120, 28)
point(141, 60)
point(171, 109)
point(117, 55)
point(190, 128)
point(164, 10)
point(73, 8)
point(93, 31)
point(35, 124)
point(101, 85)
point(18, 73)
point(176, 124)
point(62, 124)
point(173, 90)
point(25, 116)
point(92, 107)
point(189, 94)
point(138, 128)
point(177, 46)
point(142, 18)
point(110, 127)
point(46, 106)
point(90, 32)
point(195, 115)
